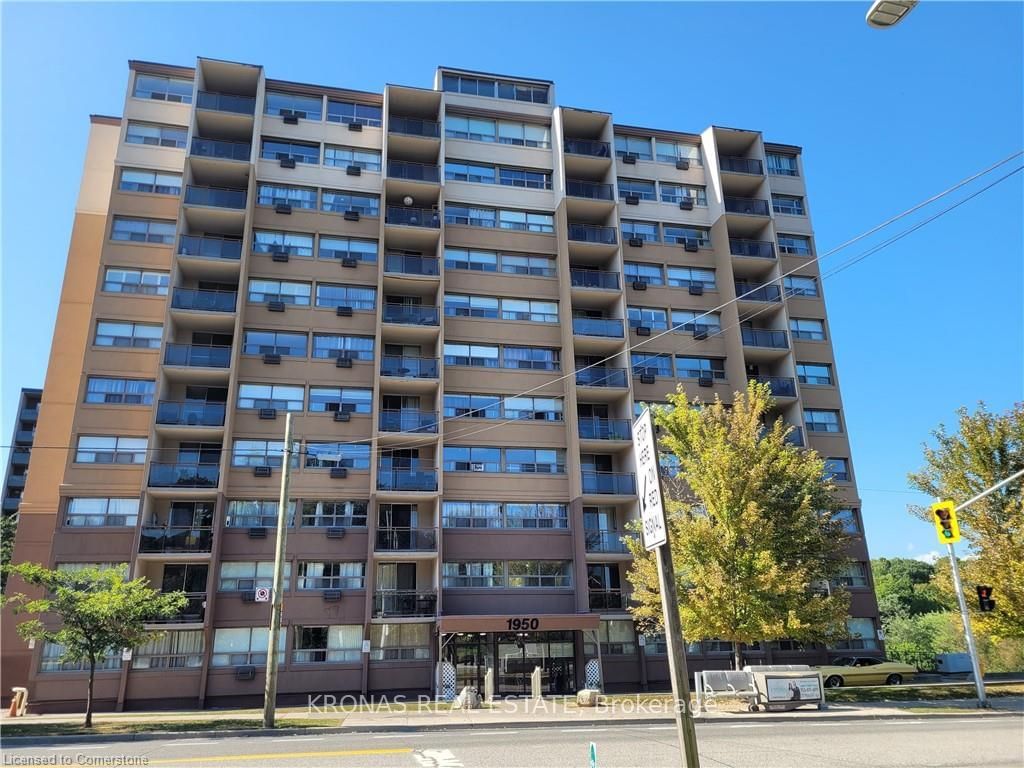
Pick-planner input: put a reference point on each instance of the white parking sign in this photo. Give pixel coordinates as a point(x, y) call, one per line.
point(262, 595)
point(645, 449)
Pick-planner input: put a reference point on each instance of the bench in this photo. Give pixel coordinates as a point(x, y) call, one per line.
point(717, 683)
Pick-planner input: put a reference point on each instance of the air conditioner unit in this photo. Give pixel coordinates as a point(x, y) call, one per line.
point(258, 533)
point(476, 467)
point(349, 262)
point(287, 162)
point(245, 673)
point(284, 208)
point(629, 158)
point(275, 306)
point(821, 587)
point(342, 416)
point(647, 378)
point(271, 358)
point(704, 381)
point(691, 245)
point(332, 595)
point(261, 471)
point(354, 170)
point(643, 330)
point(351, 215)
point(700, 332)
point(355, 127)
point(632, 200)
point(249, 596)
point(639, 285)
point(343, 362)
point(343, 311)
point(636, 242)
point(339, 473)
point(696, 289)
point(268, 413)
point(335, 533)
point(682, 164)
point(686, 204)
point(279, 256)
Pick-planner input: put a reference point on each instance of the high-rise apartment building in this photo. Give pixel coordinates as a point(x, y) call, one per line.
point(462, 294)
point(20, 449)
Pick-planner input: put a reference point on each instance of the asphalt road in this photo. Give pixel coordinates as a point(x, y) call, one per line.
point(989, 742)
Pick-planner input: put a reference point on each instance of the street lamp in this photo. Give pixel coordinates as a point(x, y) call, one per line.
point(888, 13)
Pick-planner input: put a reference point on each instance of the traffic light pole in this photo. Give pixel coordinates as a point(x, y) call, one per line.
point(979, 684)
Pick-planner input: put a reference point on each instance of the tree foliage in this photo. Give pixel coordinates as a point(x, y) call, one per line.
point(905, 588)
point(985, 449)
point(8, 527)
point(751, 528)
point(98, 610)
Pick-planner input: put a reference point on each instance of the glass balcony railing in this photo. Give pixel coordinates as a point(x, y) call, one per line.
point(414, 126)
point(193, 613)
point(166, 539)
point(610, 328)
point(406, 539)
point(183, 475)
point(226, 102)
point(796, 437)
point(764, 249)
point(593, 428)
point(607, 600)
point(404, 603)
point(175, 413)
point(408, 420)
point(588, 147)
point(780, 386)
point(758, 337)
point(602, 377)
point(611, 542)
point(409, 314)
point(741, 165)
point(407, 479)
point(592, 233)
point(590, 190)
point(197, 356)
point(594, 278)
point(403, 264)
point(408, 367)
point(752, 292)
point(204, 300)
point(413, 217)
point(209, 247)
point(621, 483)
point(221, 150)
point(402, 169)
point(215, 197)
point(748, 205)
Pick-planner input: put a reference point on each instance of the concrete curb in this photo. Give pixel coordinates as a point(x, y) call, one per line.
point(22, 742)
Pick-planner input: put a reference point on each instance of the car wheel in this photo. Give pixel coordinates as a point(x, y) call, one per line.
point(833, 681)
point(894, 680)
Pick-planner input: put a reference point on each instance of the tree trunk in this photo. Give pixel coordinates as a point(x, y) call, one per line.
point(737, 655)
point(88, 692)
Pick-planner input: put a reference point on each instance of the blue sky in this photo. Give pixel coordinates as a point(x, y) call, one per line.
point(886, 118)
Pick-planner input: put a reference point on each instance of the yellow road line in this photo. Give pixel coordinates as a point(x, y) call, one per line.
point(282, 756)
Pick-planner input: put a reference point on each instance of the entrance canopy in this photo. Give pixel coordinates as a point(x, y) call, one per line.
point(543, 622)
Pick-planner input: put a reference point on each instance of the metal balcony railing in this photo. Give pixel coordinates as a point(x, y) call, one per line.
point(621, 483)
point(592, 233)
point(758, 337)
point(407, 479)
point(209, 247)
point(741, 165)
point(161, 539)
point(204, 300)
point(403, 264)
point(753, 292)
point(406, 539)
point(216, 197)
point(594, 278)
point(191, 414)
point(588, 147)
point(404, 603)
point(408, 367)
point(403, 169)
point(610, 328)
point(197, 356)
point(221, 150)
point(739, 246)
point(193, 613)
point(414, 126)
point(413, 217)
point(591, 190)
point(183, 475)
point(780, 386)
point(607, 600)
point(609, 542)
point(594, 428)
point(409, 314)
point(226, 102)
point(748, 205)
point(602, 377)
point(408, 420)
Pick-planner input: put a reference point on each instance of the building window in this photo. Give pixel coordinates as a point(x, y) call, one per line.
point(136, 335)
point(862, 636)
point(335, 201)
point(361, 298)
point(274, 343)
point(102, 513)
point(470, 128)
point(807, 329)
point(682, 235)
point(671, 151)
point(539, 515)
point(636, 272)
point(501, 89)
point(334, 514)
point(638, 146)
point(651, 364)
point(261, 453)
point(278, 396)
point(637, 188)
point(464, 458)
point(247, 576)
point(480, 355)
point(331, 455)
point(469, 172)
point(814, 373)
point(142, 230)
point(524, 177)
point(95, 449)
point(532, 311)
point(471, 514)
point(537, 266)
point(639, 230)
point(676, 193)
point(781, 165)
point(262, 291)
point(798, 245)
point(535, 461)
point(276, 194)
point(470, 216)
point(850, 521)
point(154, 135)
point(159, 88)
point(282, 149)
point(700, 367)
point(50, 660)
point(119, 391)
point(244, 646)
point(539, 573)
point(687, 277)
point(256, 513)
point(796, 285)
point(689, 321)
point(853, 575)
point(345, 157)
point(473, 260)
point(530, 358)
point(457, 305)
point(344, 399)
point(791, 205)
point(526, 221)
point(305, 107)
point(821, 420)
point(400, 642)
point(348, 248)
point(837, 469)
point(533, 408)
point(331, 644)
point(292, 243)
point(617, 638)
point(155, 182)
point(351, 112)
point(647, 317)
point(327, 346)
point(173, 650)
point(473, 575)
point(117, 280)
point(524, 134)
point(472, 406)
point(331, 575)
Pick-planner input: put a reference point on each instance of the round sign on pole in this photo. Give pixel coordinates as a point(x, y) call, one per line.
point(262, 595)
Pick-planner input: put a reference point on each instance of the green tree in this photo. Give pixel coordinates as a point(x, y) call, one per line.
point(99, 613)
point(8, 527)
point(751, 526)
point(904, 588)
point(986, 448)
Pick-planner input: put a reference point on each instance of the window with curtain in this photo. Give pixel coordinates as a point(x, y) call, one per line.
point(244, 646)
point(248, 575)
point(531, 358)
point(360, 298)
point(329, 345)
point(101, 512)
point(293, 243)
point(119, 391)
point(400, 642)
point(173, 650)
point(326, 455)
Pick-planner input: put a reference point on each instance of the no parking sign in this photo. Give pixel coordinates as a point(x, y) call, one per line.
point(262, 595)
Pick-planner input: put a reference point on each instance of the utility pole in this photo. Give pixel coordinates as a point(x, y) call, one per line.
point(270, 691)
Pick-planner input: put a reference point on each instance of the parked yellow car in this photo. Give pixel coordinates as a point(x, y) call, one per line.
point(865, 670)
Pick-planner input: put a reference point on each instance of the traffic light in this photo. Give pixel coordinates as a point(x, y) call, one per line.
point(985, 601)
point(946, 526)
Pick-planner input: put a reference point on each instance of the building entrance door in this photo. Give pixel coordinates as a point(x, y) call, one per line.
point(518, 653)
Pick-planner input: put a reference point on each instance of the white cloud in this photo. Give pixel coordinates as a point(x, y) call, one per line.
point(929, 557)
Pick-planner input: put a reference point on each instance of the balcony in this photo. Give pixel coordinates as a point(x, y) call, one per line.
point(420, 266)
point(29, 414)
point(594, 428)
point(414, 126)
point(606, 542)
point(221, 150)
point(407, 480)
point(603, 327)
point(796, 437)
point(20, 458)
point(602, 377)
point(594, 278)
point(407, 171)
point(197, 356)
point(215, 197)
point(741, 165)
point(17, 482)
point(616, 483)
point(406, 540)
point(404, 603)
point(183, 475)
point(750, 206)
point(780, 386)
point(758, 337)
point(592, 233)
point(753, 292)
point(588, 148)
point(11, 504)
point(203, 300)
point(226, 102)
point(589, 190)
point(193, 613)
point(412, 217)
point(159, 540)
point(408, 367)
point(764, 249)
point(210, 247)
point(607, 600)
point(408, 420)
point(409, 314)
point(191, 414)
point(24, 436)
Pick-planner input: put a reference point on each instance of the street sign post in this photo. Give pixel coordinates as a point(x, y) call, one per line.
point(655, 533)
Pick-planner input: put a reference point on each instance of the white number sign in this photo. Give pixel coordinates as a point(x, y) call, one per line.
point(645, 449)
